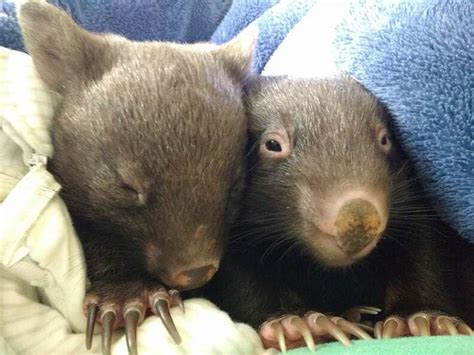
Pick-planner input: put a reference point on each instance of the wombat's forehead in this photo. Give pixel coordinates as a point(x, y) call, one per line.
point(313, 108)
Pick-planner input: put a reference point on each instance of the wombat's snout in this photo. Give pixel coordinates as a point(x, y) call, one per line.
point(351, 226)
point(357, 224)
point(193, 278)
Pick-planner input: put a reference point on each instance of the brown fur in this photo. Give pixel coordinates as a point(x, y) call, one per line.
point(148, 143)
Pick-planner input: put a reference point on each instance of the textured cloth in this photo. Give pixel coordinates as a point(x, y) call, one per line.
point(42, 268)
point(439, 345)
point(140, 20)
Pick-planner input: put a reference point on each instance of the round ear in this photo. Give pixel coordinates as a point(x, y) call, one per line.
point(60, 49)
point(237, 54)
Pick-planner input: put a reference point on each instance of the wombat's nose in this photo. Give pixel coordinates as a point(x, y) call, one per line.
point(357, 223)
point(193, 278)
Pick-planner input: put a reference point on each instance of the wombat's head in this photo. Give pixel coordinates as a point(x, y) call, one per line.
point(149, 140)
point(322, 166)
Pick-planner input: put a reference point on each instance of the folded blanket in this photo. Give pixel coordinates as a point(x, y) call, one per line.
point(140, 20)
point(42, 268)
point(416, 56)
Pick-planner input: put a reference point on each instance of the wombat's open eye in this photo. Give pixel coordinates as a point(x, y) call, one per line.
point(275, 145)
point(383, 138)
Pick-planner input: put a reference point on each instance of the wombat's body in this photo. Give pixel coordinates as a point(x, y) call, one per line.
point(148, 148)
point(333, 218)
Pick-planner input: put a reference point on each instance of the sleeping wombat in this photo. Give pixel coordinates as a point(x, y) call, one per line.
point(334, 217)
point(149, 146)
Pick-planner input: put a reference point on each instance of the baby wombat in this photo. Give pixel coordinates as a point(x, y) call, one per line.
point(148, 147)
point(334, 217)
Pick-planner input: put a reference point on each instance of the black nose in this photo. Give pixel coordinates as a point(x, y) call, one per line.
point(193, 278)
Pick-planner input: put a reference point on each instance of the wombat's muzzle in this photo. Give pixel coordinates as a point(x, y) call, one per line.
point(358, 224)
point(192, 278)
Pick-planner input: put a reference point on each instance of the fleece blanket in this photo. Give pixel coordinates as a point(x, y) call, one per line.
point(140, 20)
point(42, 268)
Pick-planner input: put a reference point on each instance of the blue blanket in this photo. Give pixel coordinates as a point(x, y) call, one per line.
point(140, 20)
point(416, 56)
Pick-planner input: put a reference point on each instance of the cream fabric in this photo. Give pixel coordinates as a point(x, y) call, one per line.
point(42, 269)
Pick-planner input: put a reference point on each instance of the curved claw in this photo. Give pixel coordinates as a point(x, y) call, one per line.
point(327, 325)
point(390, 327)
point(447, 324)
point(351, 328)
point(175, 296)
point(132, 317)
point(92, 310)
point(378, 330)
point(278, 330)
point(108, 321)
point(365, 327)
point(367, 309)
point(163, 310)
point(355, 314)
point(304, 330)
point(422, 324)
point(463, 328)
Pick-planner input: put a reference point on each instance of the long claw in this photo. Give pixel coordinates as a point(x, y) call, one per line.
point(92, 310)
point(108, 321)
point(278, 330)
point(367, 309)
point(177, 298)
point(304, 330)
point(163, 309)
point(378, 329)
point(465, 329)
point(447, 324)
point(389, 328)
point(351, 328)
point(366, 327)
point(423, 325)
point(132, 317)
point(325, 323)
point(355, 314)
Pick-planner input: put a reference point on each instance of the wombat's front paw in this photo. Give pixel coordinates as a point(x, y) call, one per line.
point(421, 324)
point(125, 304)
point(290, 331)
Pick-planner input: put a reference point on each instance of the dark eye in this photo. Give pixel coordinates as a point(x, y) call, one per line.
point(273, 146)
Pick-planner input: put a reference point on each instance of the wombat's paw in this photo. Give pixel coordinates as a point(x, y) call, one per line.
point(290, 331)
point(421, 324)
point(126, 304)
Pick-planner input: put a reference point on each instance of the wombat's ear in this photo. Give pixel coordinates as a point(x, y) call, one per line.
point(61, 50)
point(237, 54)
